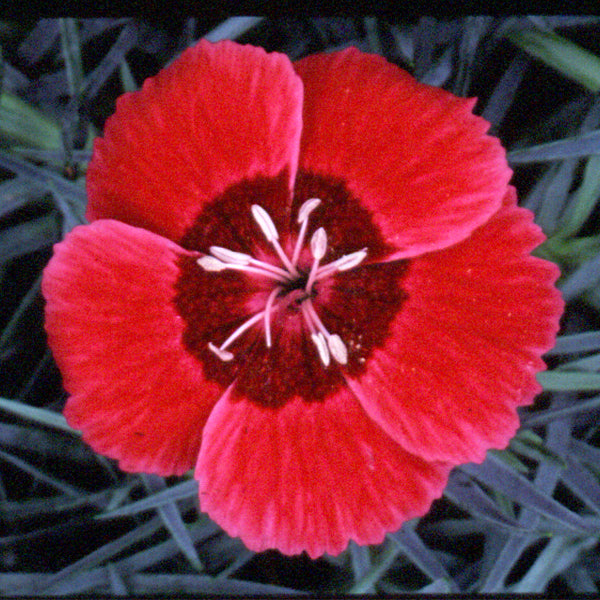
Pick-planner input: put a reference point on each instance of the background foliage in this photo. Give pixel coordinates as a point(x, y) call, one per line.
point(526, 520)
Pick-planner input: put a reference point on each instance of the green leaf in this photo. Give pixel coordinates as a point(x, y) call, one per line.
point(39, 415)
point(528, 444)
point(22, 123)
point(564, 381)
point(585, 200)
point(560, 553)
point(181, 491)
point(572, 147)
point(28, 237)
point(557, 52)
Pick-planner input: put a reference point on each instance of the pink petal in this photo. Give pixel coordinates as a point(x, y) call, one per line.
point(414, 155)
point(466, 345)
point(136, 394)
point(309, 476)
point(220, 114)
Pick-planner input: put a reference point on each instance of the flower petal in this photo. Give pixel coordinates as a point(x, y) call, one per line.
point(414, 155)
point(136, 394)
point(466, 345)
point(309, 476)
point(219, 114)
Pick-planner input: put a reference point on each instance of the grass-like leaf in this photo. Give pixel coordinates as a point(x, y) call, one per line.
point(378, 569)
point(576, 342)
point(186, 489)
point(555, 558)
point(22, 123)
point(171, 517)
point(413, 547)
point(99, 556)
point(557, 52)
point(494, 474)
point(573, 147)
point(39, 415)
point(564, 381)
point(232, 28)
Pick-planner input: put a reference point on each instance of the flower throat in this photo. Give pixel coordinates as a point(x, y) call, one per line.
point(288, 278)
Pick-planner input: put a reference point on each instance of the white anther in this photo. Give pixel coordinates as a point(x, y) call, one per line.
point(222, 354)
point(349, 261)
point(318, 244)
point(261, 216)
point(307, 208)
point(321, 344)
point(210, 263)
point(229, 256)
point(338, 348)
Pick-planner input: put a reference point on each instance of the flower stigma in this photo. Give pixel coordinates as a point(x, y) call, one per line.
point(327, 345)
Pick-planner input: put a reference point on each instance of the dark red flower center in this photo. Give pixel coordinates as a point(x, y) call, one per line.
point(286, 291)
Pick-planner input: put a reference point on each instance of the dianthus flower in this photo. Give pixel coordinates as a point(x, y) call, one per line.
point(310, 281)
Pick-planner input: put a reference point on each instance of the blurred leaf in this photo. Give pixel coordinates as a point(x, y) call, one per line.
point(232, 28)
point(547, 416)
point(171, 517)
point(39, 41)
point(463, 492)
point(181, 491)
point(528, 444)
point(28, 237)
point(573, 147)
point(565, 381)
point(557, 52)
point(16, 193)
point(127, 79)
point(418, 553)
point(94, 81)
point(39, 415)
point(494, 474)
point(378, 570)
point(40, 476)
point(71, 51)
point(143, 584)
point(584, 201)
point(97, 557)
point(22, 123)
point(576, 342)
point(117, 585)
point(583, 484)
point(360, 558)
point(505, 91)
point(43, 177)
point(554, 558)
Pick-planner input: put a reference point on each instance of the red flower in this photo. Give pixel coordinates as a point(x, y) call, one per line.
point(310, 281)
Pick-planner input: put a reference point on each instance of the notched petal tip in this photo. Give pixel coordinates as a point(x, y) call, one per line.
point(415, 155)
point(313, 477)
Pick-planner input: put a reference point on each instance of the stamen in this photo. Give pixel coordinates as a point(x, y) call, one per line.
point(321, 345)
point(303, 215)
point(318, 247)
point(338, 348)
point(306, 208)
point(261, 216)
point(318, 244)
point(336, 345)
point(222, 354)
point(268, 308)
point(229, 256)
point(210, 263)
point(268, 228)
point(345, 263)
point(236, 334)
